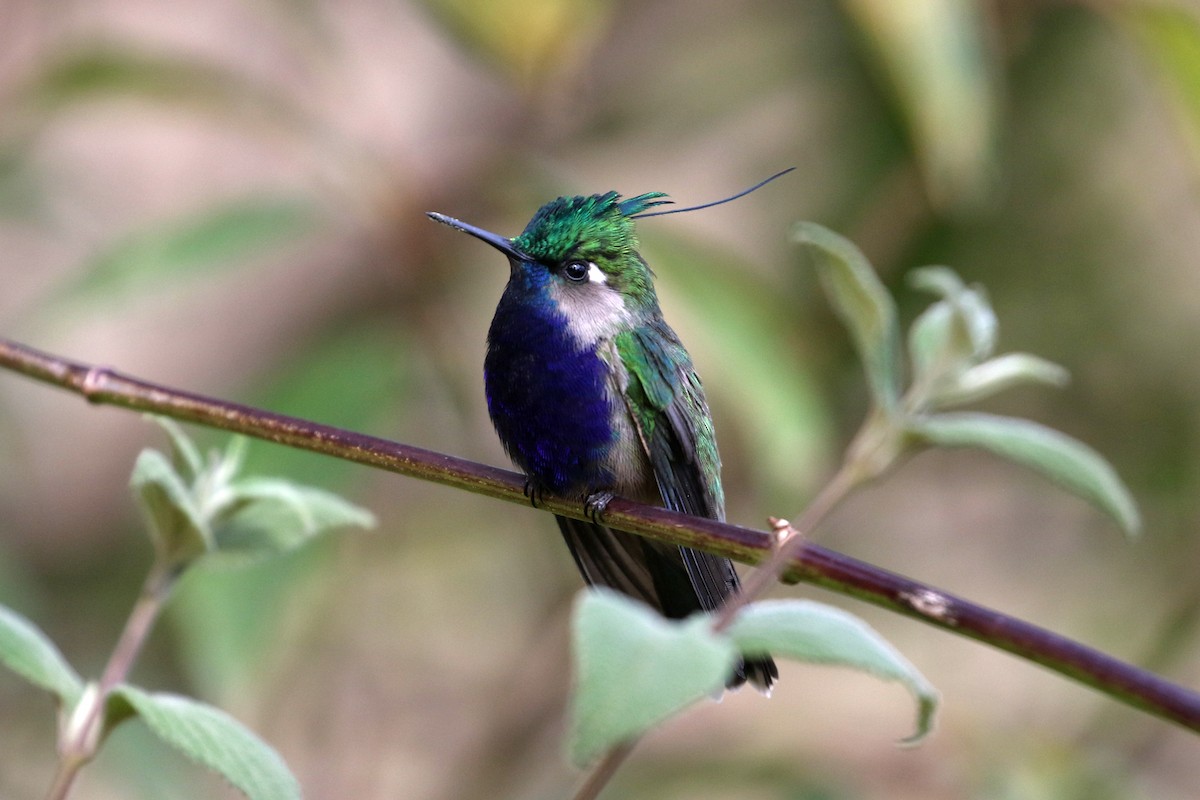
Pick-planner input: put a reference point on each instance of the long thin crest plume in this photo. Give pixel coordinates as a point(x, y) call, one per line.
point(636, 214)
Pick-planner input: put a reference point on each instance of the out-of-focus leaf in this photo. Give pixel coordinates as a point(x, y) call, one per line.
point(277, 515)
point(635, 669)
point(21, 194)
point(941, 281)
point(1169, 35)
point(935, 342)
point(355, 377)
point(231, 461)
point(214, 239)
point(27, 651)
point(94, 72)
point(187, 458)
point(211, 737)
point(739, 327)
point(863, 304)
point(1066, 461)
point(816, 633)
point(310, 18)
point(934, 55)
point(527, 38)
point(1000, 373)
point(949, 342)
point(226, 619)
point(975, 319)
point(177, 528)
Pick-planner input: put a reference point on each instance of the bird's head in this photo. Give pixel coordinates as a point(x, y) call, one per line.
point(579, 249)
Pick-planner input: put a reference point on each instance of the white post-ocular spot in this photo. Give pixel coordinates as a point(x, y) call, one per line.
point(595, 274)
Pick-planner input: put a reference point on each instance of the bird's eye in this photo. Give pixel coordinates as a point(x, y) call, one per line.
point(576, 271)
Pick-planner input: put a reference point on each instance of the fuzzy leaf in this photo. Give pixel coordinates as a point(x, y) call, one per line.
point(211, 737)
point(819, 634)
point(863, 304)
point(177, 527)
point(185, 455)
point(938, 280)
point(934, 55)
point(975, 325)
point(90, 72)
point(933, 343)
point(1169, 35)
point(552, 31)
point(27, 651)
point(732, 315)
point(274, 516)
point(1066, 461)
point(1000, 373)
point(182, 249)
point(635, 669)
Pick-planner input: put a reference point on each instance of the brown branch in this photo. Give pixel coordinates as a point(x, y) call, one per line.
point(816, 565)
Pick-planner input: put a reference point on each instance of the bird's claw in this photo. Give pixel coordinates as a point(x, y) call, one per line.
point(595, 504)
point(533, 492)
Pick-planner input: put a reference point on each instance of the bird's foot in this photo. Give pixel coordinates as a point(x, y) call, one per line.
point(533, 492)
point(595, 504)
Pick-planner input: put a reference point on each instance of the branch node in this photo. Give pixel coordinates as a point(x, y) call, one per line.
point(782, 532)
point(94, 381)
point(930, 604)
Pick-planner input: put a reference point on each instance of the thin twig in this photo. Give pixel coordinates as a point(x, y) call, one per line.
point(813, 564)
point(789, 546)
point(602, 773)
point(81, 735)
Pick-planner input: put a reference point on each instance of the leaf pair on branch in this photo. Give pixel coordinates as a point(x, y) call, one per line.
point(195, 509)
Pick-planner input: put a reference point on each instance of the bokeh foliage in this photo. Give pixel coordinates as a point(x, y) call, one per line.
point(227, 196)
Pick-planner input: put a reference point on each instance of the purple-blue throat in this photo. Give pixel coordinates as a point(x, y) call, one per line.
point(546, 395)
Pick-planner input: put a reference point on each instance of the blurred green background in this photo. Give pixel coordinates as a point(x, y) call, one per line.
point(227, 196)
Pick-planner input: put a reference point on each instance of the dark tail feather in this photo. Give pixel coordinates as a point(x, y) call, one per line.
point(676, 581)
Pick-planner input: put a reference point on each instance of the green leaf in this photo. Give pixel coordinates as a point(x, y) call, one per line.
point(215, 490)
point(975, 327)
point(731, 315)
point(934, 55)
point(186, 456)
point(552, 31)
point(1169, 35)
point(816, 633)
point(934, 343)
point(176, 526)
point(635, 669)
point(23, 195)
point(1066, 461)
point(28, 652)
point(275, 515)
point(225, 620)
point(355, 376)
point(949, 341)
point(863, 304)
point(209, 240)
point(91, 72)
point(1000, 373)
point(938, 280)
point(211, 737)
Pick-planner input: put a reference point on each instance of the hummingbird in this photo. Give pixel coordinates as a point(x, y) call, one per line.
point(593, 395)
